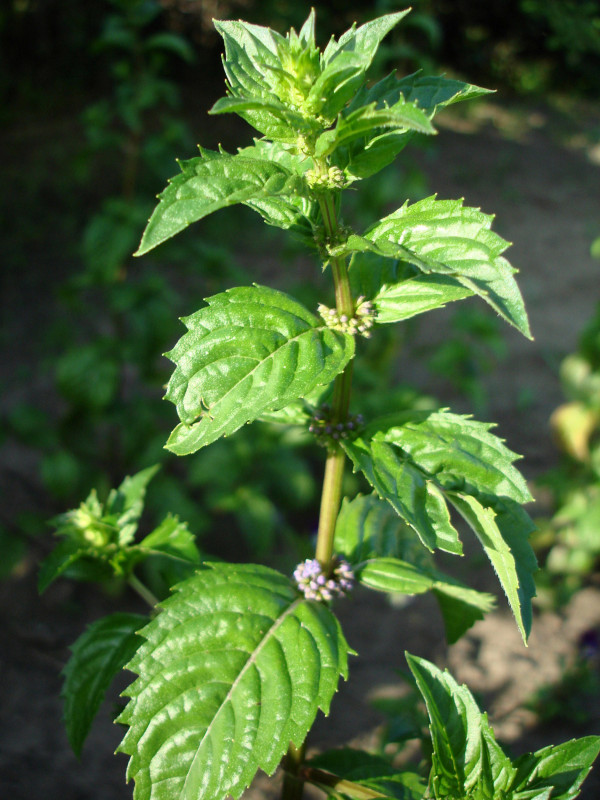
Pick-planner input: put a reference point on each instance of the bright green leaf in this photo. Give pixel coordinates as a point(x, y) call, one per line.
point(459, 451)
point(345, 62)
point(172, 538)
point(208, 183)
point(558, 769)
point(126, 503)
point(251, 350)
point(465, 752)
point(394, 575)
point(401, 116)
point(414, 496)
point(233, 669)
point(96, 657)
point(417, 295)
point(503, 530)
point(446, 238)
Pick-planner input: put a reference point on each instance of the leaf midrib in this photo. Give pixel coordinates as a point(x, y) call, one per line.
point(227, 699)
point(249, 374)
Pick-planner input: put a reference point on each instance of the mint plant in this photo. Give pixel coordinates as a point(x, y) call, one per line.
point(233, 667)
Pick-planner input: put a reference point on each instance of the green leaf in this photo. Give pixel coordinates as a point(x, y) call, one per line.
point(58, 561)
point(345, 62)
point(96, 657)
point(465, 752)
point(417, 295)
point(402, 116)
point(126, 503)
point(208, 183)
point(502, 530)
point(363, 776)
point(172, 538)
point(368, 527)
point(251, 350)
point(233, 669)
point(394, 575)
point(461, 606)
point(429, 93)
point(414, 496)
point(558, 769)
point(456, 449)
point(444, 237)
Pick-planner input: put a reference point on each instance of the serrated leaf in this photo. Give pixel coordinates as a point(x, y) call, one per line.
point(394, 575)
point(251, 350)
point(503, 530)
point(211, 182)
point(445, 237)
point(233, 669)
point(172, 538)
point(96, 657)
point(429, 93)
point(345, 62)
point(401, 116)
point(457, 450)
point(558, 770)
point(413, 495)
point(465, 752)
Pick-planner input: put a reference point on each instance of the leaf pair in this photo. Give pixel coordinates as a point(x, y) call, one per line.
point(421, 461)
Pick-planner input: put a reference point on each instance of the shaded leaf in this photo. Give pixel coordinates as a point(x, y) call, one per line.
point(96, 657)
point(251, 350)
point(234, 667)
point(461, 606)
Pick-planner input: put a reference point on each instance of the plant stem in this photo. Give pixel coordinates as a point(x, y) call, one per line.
point(142, 590)
point(293, 785)
point(331, 496)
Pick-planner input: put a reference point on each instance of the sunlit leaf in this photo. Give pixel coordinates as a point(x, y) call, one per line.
point(233, 669)
point(249, 351)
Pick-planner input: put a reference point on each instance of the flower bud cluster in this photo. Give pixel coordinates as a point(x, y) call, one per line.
point(360, 323)
point(326, 431)
point(315, 585)
point(320, 182)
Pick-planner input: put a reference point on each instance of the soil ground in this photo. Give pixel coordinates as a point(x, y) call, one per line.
point(538, 169)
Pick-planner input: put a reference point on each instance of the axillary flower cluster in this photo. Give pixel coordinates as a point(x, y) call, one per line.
point(361, 323)
point(316, 585)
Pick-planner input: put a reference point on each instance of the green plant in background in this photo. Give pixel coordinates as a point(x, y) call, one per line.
point(233, 666)
point(569, 539)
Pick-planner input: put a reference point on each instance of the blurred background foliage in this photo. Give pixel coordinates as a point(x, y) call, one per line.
point(97, 100)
